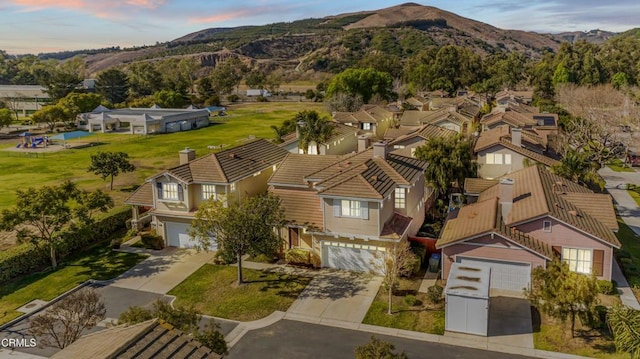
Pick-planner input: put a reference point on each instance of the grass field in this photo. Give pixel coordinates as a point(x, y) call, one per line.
point(212, 290)
point(150, 154)
point(634, 192)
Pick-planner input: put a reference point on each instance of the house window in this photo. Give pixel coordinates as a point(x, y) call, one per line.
point(366, 126)
point(312, 149)
point(350, 208)
point(232, 187)
point(400, 200)
point(507, 158)
point(546, 226)
point(170, 191)
point(495, 159)
point(208, 191)
point(398, 146)
point(579, 260)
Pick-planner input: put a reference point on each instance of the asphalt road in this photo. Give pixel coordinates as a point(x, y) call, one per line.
point(291, 339)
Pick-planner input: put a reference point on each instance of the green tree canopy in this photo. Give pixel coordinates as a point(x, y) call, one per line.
point(76, 103)
point(239, 227)
point(169, 99)
point(365, 83)
point(625, 324)
point(113, 84)
point(110, 164)
point(312, 129)
point(50, 115)
point(6, 117)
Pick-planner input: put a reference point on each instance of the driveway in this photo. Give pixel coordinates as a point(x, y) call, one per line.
point(163, 270)
point(292, 339)
point(336, 295)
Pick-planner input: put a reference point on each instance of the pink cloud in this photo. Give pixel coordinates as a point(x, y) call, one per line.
point(96, 8)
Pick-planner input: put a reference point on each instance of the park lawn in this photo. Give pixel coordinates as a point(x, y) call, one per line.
point(100, 263)
point(149, 154)
point(634, 192)
point(619, 166)
point(213, 290)
point(421, 318)
point(552, 335)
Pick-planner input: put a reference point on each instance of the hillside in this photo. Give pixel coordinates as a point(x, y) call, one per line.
point(336, 42)
point(593, 36)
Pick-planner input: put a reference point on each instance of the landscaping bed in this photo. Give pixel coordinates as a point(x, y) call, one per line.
point(100, 263)
point(213, 290)
point(423, 316)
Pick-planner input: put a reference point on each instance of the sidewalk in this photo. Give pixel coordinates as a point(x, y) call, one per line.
point(616, 186)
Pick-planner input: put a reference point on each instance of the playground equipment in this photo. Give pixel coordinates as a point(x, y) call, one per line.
point(29, 141)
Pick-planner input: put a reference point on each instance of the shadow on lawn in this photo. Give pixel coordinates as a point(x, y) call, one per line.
point(287, 285)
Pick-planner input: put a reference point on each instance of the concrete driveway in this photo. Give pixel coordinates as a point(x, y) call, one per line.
point(163, 270)
point(336, 295)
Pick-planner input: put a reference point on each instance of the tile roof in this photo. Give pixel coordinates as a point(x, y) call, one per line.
point(598, 205)
point(230, 165)
point(498, 137)
point(367, 114)
point(507, 116)
point(477, 185)
point(150, 339)
point(143, 196)
point(295, 167)
point(396, 226)
point(302, 207)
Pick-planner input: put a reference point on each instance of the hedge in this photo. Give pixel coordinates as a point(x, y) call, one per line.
point(298, 256)
point(27, 258)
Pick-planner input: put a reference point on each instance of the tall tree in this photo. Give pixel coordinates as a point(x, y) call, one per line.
point(110, 164)
point(76, 103)
point(65, 321)
point(227, 75)
point(563, 294)
point(113, 84)
point(450, 161)
point(312, 129)
point(60, 83)
point(624, 323)
point(393, 263)
point(144, 79)
point(39, 215)
point(366, 83)
point(169, 99)
point(238, 228)
point(50, 115)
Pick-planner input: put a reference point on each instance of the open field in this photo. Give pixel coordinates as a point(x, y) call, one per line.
point(150, 154)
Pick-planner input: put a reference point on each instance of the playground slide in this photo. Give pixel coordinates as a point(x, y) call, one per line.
point(36, 142)
point(19, 145)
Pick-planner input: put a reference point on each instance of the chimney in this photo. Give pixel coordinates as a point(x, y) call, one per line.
point(187, 155)
point(363, 143)
point(516, 136)
point(505, 196)
point(453, 108)
point(380, 149)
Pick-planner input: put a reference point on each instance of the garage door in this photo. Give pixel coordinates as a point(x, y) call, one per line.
point(354, 257)
point(178, 235)
point(512, 276)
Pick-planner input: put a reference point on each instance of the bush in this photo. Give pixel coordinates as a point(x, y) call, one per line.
point(411, 300)
point(434, 293)
point(298, 256)
point(605, 287)
point(413, 265)
point(261, 99)
point(419, 250)
point(233, 98)
point(151, 240)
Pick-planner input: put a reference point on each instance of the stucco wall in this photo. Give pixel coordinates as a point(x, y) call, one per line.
point(491, 171)
point(367, 227)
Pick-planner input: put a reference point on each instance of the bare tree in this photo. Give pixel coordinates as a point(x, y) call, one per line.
point(66, 320)
point(598, 113)
point(393, 263)
point(13, 103)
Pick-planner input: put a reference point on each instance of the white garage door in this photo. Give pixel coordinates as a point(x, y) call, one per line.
point(512, 276)
point(178, 235)
point(354, 257)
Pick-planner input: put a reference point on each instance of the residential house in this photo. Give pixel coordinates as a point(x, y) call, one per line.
point(418, 103)
point(344, 140)
point(449, 118)
point(406, 144)
point(172, 197)
point(508, 96)
point(346, 210)
point(150, 339)
point(372, 120)
point(503, 150)
point(526, 220)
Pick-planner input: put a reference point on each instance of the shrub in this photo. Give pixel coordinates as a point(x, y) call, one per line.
point(262, 258)
point(151, 240)
point(605, 287)
point(233, 98)
point(262, 99)
point(413, 265)
point(298, 256)
point(419, 250)
point(411, 300)
point(434, 293)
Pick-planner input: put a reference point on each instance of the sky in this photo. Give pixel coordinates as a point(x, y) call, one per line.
point(34, 26)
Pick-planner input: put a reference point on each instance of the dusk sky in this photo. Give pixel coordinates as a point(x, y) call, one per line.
point(33, 26)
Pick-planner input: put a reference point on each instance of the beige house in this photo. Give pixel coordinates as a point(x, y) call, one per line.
point(524, 221)
point(343, 141)
point(171, 198)
point(346, 210)
point(372, 120)
point(406, 144)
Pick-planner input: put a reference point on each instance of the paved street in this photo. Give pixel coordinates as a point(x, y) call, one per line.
point(616, 186)
point(292, 339)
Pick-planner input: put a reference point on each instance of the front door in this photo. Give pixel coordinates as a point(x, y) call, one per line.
point(294, 239)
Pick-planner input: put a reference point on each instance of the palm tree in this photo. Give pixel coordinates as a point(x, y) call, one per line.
point(579, 168)
point(624, 323)
point(313, 129)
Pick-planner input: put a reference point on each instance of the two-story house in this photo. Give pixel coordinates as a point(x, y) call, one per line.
point(506, 149)
point(527, 219)
point(344, 140)
point(406, 144)
point(172, 197)
point(346, 210)
point(371, 120)
point(450, 118)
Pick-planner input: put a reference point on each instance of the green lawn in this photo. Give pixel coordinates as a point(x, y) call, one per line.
point(150, 154)
point(420, 318)
point(619, 166)
point(629, 256)
point(634, 192)
point(100, 263)
point(212, 290)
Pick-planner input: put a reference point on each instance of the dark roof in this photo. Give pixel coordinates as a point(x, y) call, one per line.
point(232, 164)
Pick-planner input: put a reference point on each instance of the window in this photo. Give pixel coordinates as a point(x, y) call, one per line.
point(494, 158)
point(579, 260)
point(312, 149)
point(208, 191)
point(170, 191)
point(350, 208)
point(546, 226)
point(398, 146)
point(400, 198)
point(366, 126)
point(507, 158)
point(232, 187)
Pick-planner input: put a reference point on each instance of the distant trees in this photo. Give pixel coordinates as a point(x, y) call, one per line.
point(365, 83)
point(110, 164)
point(65, 321)
point(76, 103)
point(50, 115)
point(227, 75)
point(113, 84)
point(169, 99)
